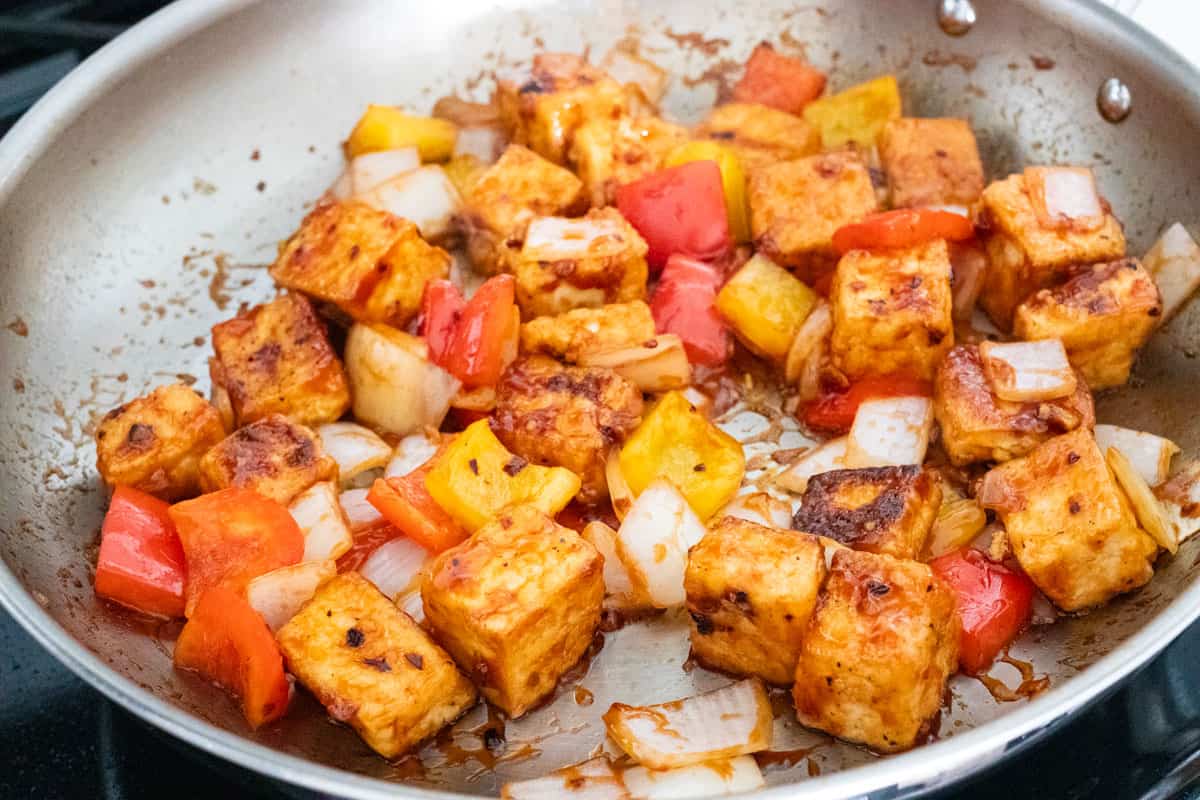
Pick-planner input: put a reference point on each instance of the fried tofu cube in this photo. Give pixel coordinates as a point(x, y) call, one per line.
point(567, 417)
point(760, 136)
point(884, 510)
point(154, 443)
point(795, 207)
point(273, 456)
point(579, 263)
point(875, 658)
point(892, 311)
point(572, 334)
point(931, 162)
point(1069, 525)
point(750, 593)
point(1103, 314)
point(607, 153)
point(520, 186)
point(1026, 255)
point(517, 605)
point(276, 359)
point(978, 426)
point(372, 667)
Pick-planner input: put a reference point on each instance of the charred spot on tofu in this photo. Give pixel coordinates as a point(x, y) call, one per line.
point(369, 263)
point(1103, 314)
point(931, 162)
point(1069, 525)
point(892, 311)
point(977, 425)
point(276, 359)
point(886, 510)
point(588, 330)
point(372, 667)
point(880, 646)
point(564, 416)
point(759, 135)
point(273, 456)
point(155, 443)
point(750, 593)
point(607, 153)
point(517, 605)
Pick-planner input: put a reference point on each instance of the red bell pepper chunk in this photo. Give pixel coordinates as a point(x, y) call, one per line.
point(679, 210)
point(406, 503)
point(484, 340)
point(994, 604)
point(833, 411)
point(904, 227)
point(231, 537)
point(227, 642)
point(141, 563)
point(442, 305)
point(685, 303)
point(779, 81)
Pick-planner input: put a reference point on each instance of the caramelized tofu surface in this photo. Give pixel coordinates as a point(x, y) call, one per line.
point(607, 153)
point(155, 442)
point(1104, 313)
point(564, 416)
point(877, 653)
point(276, 359)
point(977, 425)
point(588, 330)
point(885, 510)
point(1069, 525)
point(931, 162)
point(517, 605)
point(892, 311)
point(273, 456)
point(372, 667)
point(750, 593)
point(760, 136)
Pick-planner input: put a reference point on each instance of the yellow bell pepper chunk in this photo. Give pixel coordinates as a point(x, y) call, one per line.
point(476, 476)
point(733, 180)
point(857, 114)
point(389, 128)
point(765, 304)
point(677, 442)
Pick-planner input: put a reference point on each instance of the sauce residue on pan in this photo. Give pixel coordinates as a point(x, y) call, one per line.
point(1029, 687)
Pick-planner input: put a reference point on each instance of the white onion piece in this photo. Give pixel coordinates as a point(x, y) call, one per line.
point(1150, 455)
point(825, 458)
point(410, 453)
point(619, 492)
point(657, 365)
point(653, 542)
point(1028, 371)
point(481, 398)
point(360, 514)
point(961, 211)
point(892, 431)
point(969, 264)
point(412, 605)
point(712, 779)
point(558, 238)
point(759, 508)
point(1174, 261)
point(1180, 499)
point(699, 400)
point(318, 512)
point(627, 68)
point(591, 780)
point(394, 566)
point(808, 386)
point(371, 170)
point(829, 548)
point(277, 595)
point(1146, 507)
point(1044, 612)
point(394, 387)
point(355, 448)
point(813, 331)
point(1065, 197)
point(343, 187)
point(483, 142)
point(618, 585)
point(426, 196)
point(732, 721)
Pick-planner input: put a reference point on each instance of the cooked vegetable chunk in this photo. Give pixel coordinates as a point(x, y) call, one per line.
point(931, 162)
point(607, 153)
point(760, 136)
point(1174, 261)
point(733, 180)
point(140, 564)
point(389, 128)
point(890, 431)
point(679, 211)
point(588, 330)
point(875, 659)
point(1149, 454)
point(154, 443)
point(856, 115)
point(766, 305)
point(1102, 314)
point(750, 592)
point(372, 667)
point(517, 605)
point(656, 533)
point(1070, 526)
point(1023, 371)
point(779, 81)
point(396, 388)
point(276, 458)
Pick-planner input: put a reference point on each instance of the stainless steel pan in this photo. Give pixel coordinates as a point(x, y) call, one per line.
point(133, 213)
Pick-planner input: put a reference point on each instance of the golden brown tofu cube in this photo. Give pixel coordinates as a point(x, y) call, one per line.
point(372, 667)
point(517, 605)
point(371, 264)
point(885, 510)
point(273, 456)
point(607, 153)
point(566, 417)
point(977, 425)
point(892, 311)
point(750, 593)
point(1069, 525)
point(521, 185)
point(875, 658)
point(1103, 314)
point(760, 135)
point(931, 162)
point(276, 359)
point(588, 330)
point(579, 263)
point(795, 207)
point(154, 443)
point(1026, 256)
point(562, 93)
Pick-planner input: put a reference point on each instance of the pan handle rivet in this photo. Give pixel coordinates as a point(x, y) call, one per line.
point(1114, 100)
point(956, 17)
